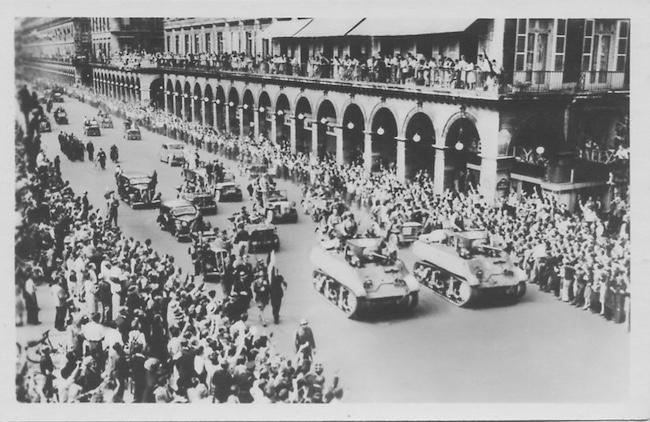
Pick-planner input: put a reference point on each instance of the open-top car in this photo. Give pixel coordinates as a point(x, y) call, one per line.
point(228, 192)
point(57, 97)
point(204, 200)
point(181, 218)
point(172, 153)
point(44, 124)
point(133, 134)
point(60, 116)
point(262, 238)
point(91, 128)
point(278, 208)
point(227, 189)
point(106, 121)
point(408, 232)
point(137, 190)
point(212, 255)
point(256, 170)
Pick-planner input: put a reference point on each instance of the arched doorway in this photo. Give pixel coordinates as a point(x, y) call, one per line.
point(208, 101)
point(197, 101)
point(419, 151)
point(326, 137)
point(156, 94)
point(462, 157)
point(187, 101)
point(178, 95)
point(282, 123)
point(220, 101)
point(233, 106)
point(248, 112)
point(384, 145)
point(353, 128)
point(303, 134)
point(265, 114)
point(170, 96)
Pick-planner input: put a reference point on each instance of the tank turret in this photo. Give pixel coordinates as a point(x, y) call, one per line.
point(355, 276)
point(462, 268)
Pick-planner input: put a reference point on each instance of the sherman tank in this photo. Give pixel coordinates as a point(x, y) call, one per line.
point(354, 276)
point(462, 268)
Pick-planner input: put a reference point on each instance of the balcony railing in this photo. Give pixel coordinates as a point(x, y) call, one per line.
point(551, 81)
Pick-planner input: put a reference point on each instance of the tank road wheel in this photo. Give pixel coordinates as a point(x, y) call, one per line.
point(347, 302)
point(413, 300)
point(463, 293)
point(519, 291)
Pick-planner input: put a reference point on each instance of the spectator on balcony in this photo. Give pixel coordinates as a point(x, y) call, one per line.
point(483, 70)
point(394, 67)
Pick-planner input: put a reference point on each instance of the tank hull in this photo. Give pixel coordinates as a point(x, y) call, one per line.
point(343, 286)
point(457, 290)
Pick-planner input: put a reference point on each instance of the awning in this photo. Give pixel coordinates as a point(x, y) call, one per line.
point(398, 27)
point(284, 29)
point(328, 27)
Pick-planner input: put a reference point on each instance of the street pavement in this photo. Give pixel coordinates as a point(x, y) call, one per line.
point(539, 350)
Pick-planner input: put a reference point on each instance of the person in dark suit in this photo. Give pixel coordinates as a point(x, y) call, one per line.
point(278, 284)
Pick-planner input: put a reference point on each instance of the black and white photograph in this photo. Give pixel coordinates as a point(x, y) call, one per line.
point(356, 208)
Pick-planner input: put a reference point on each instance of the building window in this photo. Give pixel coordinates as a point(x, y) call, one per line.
point(560, 44)
point(219, 42)
point(168, 45)
point(249, 43)
point(586, 46)
point(177, 44)
point(197, 43)
point(208, 42)
point(186, 45)
point(622, 45)
point(265, 47)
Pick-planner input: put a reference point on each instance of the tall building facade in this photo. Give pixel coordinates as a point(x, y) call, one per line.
point(506, 104)
point(113, 35)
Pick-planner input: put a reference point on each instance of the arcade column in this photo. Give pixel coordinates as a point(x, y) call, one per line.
point(367, 150)
point(400, 165)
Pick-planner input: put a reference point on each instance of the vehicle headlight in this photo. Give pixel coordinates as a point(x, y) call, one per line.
point(367, 284)
point(184, 224)
point(479, 274)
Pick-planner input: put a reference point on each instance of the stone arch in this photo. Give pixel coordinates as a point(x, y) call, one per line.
point(169, 92)
point(248, 112)
point(197, 101)
point(420, 137)
point(233, 104)
point(208, 99)
point(157, 94)
point(221, 103)
point(384, 130)
point(350, 102)
point(462, 155)
point(282, 108)
point(280, 94)
point(376, 108)
point(265, 113)
point(302, 111)
point(326, 116)
point(187, 101)
point(178, 98)
point(353, 122)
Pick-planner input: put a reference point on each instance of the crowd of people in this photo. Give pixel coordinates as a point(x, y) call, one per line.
point(581, 256)
point(408, 69)
point(131, 325)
